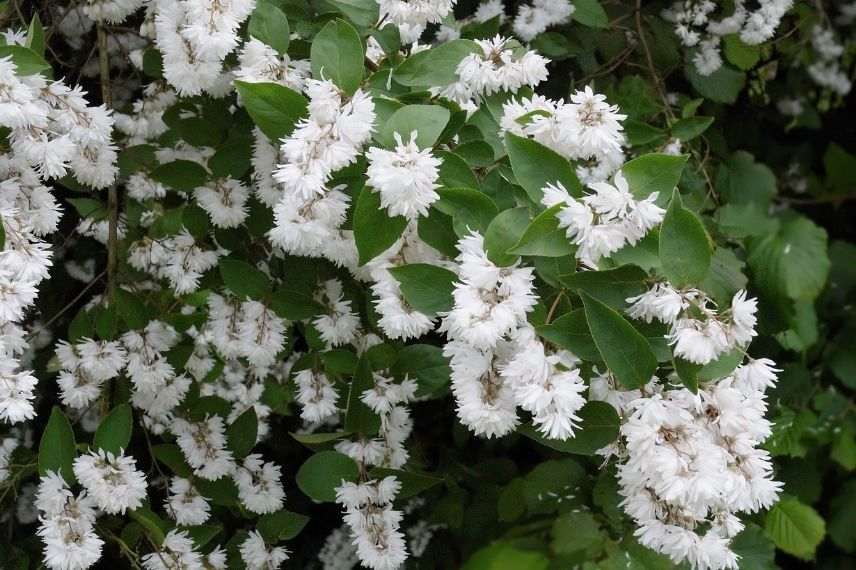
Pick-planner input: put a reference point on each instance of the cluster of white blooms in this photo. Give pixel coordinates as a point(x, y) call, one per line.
point(826, 71)
point(257, 556)
point(338, 324)
point(412, 16)
point(67, 525)
point(225, 201)
point(374, 524)
point(338, 552)
point(500, 65)
point(179, 551)
point(587, 130)
point(203, 444)
point(405, 178)
point(691, 465)
point(547, 386)
point(488, 10)
point(113, 481)
point(533, 19)
point(258, 62)
point(84, 367)
point(54, 129)
point(185, 504)
point(112, 11)
point(699, 332)
point(483, 326)
point(316, 395)
point(145, 122)
point(246, 329)
point(259, 486)
point(604, 221)
point(696, 27)
point(309, 215)
point(178, 259)
point(398, 319)
point(195, 36)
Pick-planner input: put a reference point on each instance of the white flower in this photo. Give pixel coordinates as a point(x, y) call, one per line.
point(405, 178)
point(259, 487)
point(185, 504)
point(257, 556)
point(316, 395)
point(533, 19)
point(204, 446)
point(225, 201)
point(112, 480)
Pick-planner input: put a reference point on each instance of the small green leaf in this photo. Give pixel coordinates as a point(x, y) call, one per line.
point(374, 230)
point(269, 25)
point(427, 121)
point(363, 13)
point(742, 55)
point(651, 173)
point(323, 472)
point(26, 60)
point(689, 128)
point(132, 309)
point(412, 483)
point(503, 232)
point(543, 237)
point(721, 86)
point(685, 247)
point(435, 66)
point(57, 447)
point(535, 166)
point(795, 528)
point(426, 364)
point(184, 175)
point(243, 279)
point(281, 525)
point(36, 35)
point(612, 286)
point(114, 431)
point(590, 13)
point(156, 528)
point(274, 108)
point(337, 54)
point(241, 434)
point(624, 350)
point(470, 209)
point(427, 288)
point(571, 332)
point(359, 418)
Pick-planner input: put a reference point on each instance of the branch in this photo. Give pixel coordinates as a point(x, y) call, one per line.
point(112, 192)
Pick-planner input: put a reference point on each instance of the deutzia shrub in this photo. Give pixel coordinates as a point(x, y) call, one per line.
point(427, 284)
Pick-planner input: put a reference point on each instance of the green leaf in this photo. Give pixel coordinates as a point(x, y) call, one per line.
point(740, 220)
point(721, 86)
point(470, 209)
point(428, 121)
point(132, 310)
point(313, 439)
point(624, 350)
point(571, 332)
point(689, 128)
point(654, 173)
point(742, 55)
point(36, 35)
point(363, 13)
point(294, 302)
point(156, 528)
point(543, 237)
point(241, 435)
point(792, 261)
point(337, 54)
point(725, 277)
point(281, 525)
point(114, 431)
point(184, 175)
point(427, 365)
point(437, 230)
point(639, 133)
point(274, 108)
point(57, 447)
point(574, 532)
point(359, 418)
point(755, 550)
point(374, 230)
point(612, 286)
point(534, 165)
point(590, 13)
point(503, 232)
point(243, 279)
point(171, 455)
point(269, 25)
point(26, 60)
point(741, 180)
point(319, 475)
point(455, 172)
point(506, 556)
point(795, 528)
point(435, 66)
point(598, 428)
point(685, 247)
point(427, 288)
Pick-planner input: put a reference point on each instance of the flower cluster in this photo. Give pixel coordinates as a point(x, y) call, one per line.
point(699, 332)
point(604, 221)
point(533, 19)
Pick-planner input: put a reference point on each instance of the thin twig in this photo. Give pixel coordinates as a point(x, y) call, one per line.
point(112, 192)
point(650, 61)
point(69, 305)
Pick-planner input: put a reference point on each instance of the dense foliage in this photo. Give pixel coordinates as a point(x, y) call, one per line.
point(427, 284)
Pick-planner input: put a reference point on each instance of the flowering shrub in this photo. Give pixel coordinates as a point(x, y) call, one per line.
point(418, 284)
